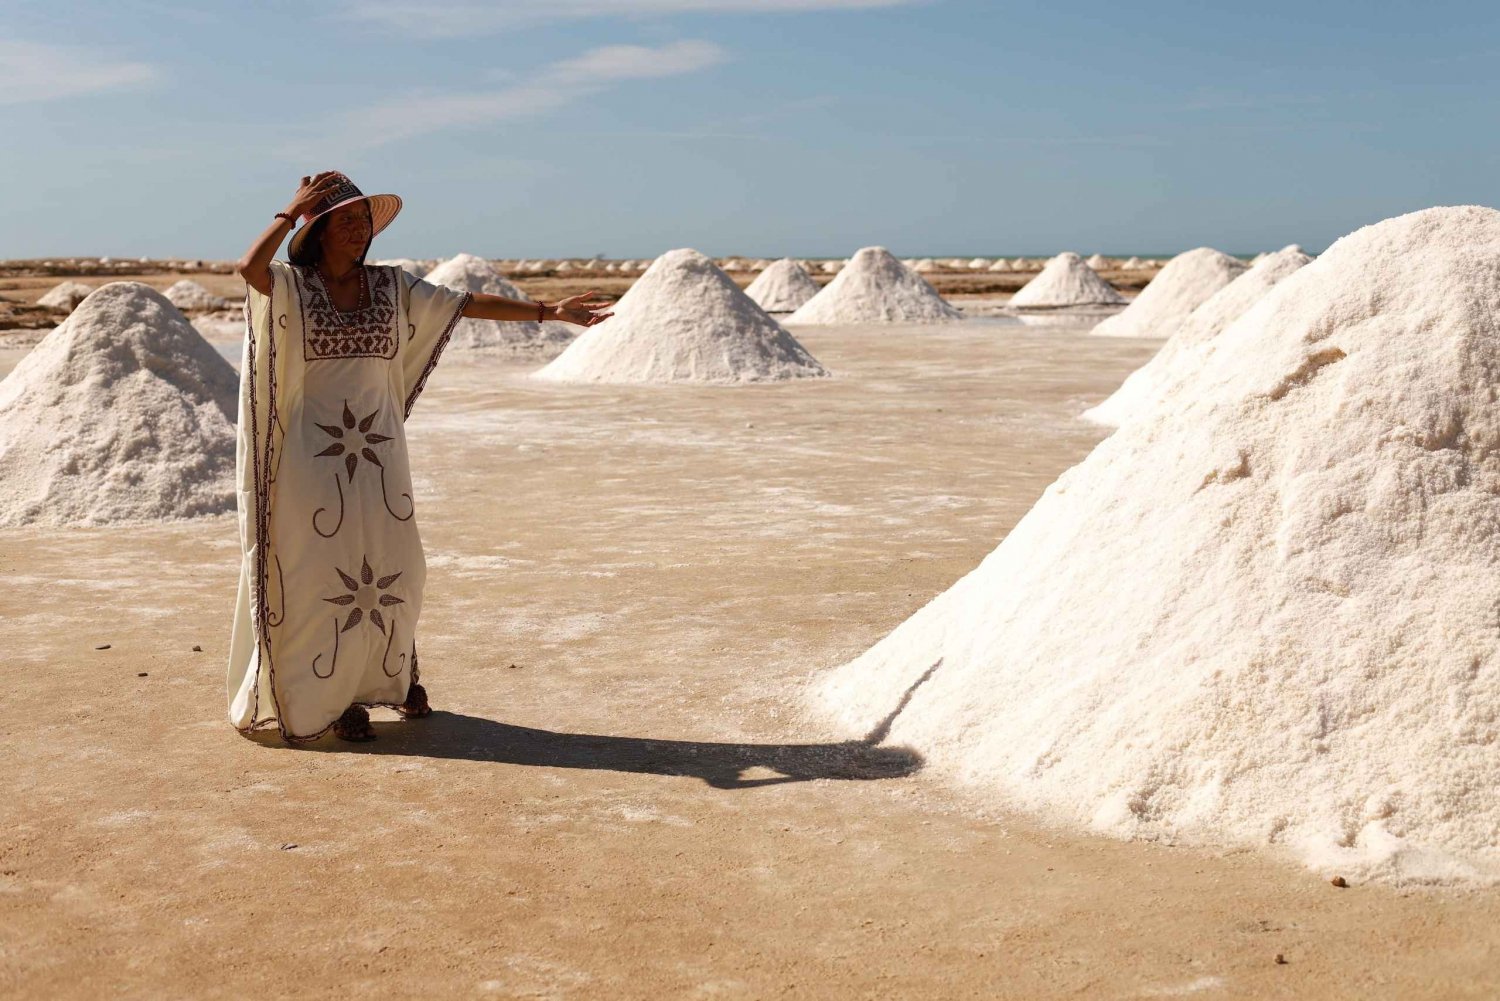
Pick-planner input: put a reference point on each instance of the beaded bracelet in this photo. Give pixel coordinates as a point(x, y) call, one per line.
point(541, 311)
point(288, 217)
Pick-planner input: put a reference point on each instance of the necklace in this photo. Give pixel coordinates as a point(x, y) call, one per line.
point(364, 296)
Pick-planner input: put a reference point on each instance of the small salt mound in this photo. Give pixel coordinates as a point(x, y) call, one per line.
point(684, 320)
point(1183, 285)
point(876, 288)
point(1020, 264)
point(1001, 265)
point(1134, 264)
point(65, 296)
point(416, 269)
point(121, 413)
point(1066, 281)
point(979, 264)
point(469, 273)
point(1098, 262)
point(783, 287)
point(831, 267)
point(1171, 372)
point(188, 294)
point(1266, 617)
point(925, 266)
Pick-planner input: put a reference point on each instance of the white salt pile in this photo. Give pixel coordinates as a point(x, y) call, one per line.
point(1134, 264)
point(925, 266)
point(684, 320)
point(414, 268)
point(1020, 264)
point(121, 413)
point(831, 267)
point(876, 288)
point(1183, 285)
point(1171, 372)
point(1000, 265)
point(1066, 281)
point(475, 274)
point(783, 287)
point(188, 294)
point(67, 295)
point(979, 264)
point(1098, 262)
point(1266, 617)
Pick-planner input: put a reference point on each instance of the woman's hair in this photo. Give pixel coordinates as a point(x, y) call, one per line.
point(310, 250)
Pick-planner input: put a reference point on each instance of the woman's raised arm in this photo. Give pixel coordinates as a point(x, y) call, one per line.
point(255, 266)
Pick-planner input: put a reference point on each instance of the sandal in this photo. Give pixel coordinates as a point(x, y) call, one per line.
point(416, 705)
point(354, 725)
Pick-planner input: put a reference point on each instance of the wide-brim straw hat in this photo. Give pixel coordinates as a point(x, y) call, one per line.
point(383, 209)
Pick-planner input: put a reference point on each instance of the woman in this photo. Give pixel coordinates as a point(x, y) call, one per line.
point(336, 353)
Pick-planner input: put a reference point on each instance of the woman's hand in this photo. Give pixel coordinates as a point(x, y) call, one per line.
point(312, 191)
point(584, 310)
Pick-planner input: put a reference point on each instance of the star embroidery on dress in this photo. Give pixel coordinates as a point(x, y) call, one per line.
point(365, 597)
point(350, 448)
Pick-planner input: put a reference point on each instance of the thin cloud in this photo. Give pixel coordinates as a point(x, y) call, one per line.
point(554, 87)
point(435, 19)
point(37, 71)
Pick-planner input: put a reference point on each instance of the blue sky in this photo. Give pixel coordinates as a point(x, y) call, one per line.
point(767, 127)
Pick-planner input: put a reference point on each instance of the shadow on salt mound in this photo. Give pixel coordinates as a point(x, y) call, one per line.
point(122, 413)
point(1267, 617)
point(1183, 285)
point(876, 288)
point(684, 320)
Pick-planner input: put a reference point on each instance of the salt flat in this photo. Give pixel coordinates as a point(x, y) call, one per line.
point(638, 807)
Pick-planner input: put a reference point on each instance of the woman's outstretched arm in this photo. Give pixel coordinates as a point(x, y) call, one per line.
point(584, 310)
point(255, 266)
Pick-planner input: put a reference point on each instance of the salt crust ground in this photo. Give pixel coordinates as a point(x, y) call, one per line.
point(663, 577)
point(1264, 615)
point(1066, 281)
point(121, 413)
point(685, 320)
point(1187, 281)
point(1174, 369)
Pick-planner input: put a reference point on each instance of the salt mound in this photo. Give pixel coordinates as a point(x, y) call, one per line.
point(188, 294)
point(1183, 285)
point(782, 287)
point(684, 320)
point(979, 264)
point(66, 295)
point(414, 268)
point(1171, 372)
point(1066, 281)
point(1000, 265)
point(1266, 617)
point(925, 266)
point(876, 288)
point(1097, 262)
point(469, 273)
point(121, 413)
point(1134, 264)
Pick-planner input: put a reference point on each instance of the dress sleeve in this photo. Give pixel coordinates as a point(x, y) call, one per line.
point(431, 313)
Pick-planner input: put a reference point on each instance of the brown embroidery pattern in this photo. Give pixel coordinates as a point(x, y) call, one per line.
point(366, 332)
point(352, 441)
point(364, 594)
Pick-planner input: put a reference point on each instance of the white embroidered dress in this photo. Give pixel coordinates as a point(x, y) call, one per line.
point(332, 572)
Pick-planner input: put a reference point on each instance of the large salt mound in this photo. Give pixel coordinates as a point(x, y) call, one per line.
point(188, 294)
point(1264, 618)
point(469, 273)
point(1182, 286)
point(66, 295)
point(684, 320)
point(876, 288)
point(1066, 281)
point(782, 287)
point(1171, 371)
point(121, 413)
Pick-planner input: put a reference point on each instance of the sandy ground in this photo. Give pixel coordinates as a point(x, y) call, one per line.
point(620, 796)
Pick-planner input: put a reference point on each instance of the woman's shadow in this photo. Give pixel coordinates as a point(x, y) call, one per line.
point(720, 765)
